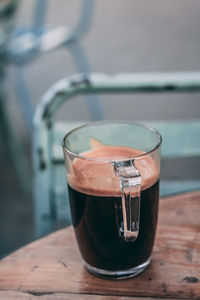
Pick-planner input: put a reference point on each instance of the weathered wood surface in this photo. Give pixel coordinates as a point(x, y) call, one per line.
point(10, 295)
point(51, 268)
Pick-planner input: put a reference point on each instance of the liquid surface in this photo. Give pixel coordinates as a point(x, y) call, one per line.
point(97, 177)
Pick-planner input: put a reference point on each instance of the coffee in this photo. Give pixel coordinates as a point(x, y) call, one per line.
point(95, 201)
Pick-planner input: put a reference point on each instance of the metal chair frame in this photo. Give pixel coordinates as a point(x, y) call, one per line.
point(23, 45)
point(47, 155)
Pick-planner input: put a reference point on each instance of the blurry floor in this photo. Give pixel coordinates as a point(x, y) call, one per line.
point(125, 36)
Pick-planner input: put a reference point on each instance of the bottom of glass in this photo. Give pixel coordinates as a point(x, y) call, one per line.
point(123, 274)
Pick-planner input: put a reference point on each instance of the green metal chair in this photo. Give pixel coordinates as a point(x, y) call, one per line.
point(21, 45)
point(181, 139)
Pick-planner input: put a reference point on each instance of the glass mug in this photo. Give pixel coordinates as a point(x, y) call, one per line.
point(113, 173)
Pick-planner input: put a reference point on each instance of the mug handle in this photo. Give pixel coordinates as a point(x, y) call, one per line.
point(130, 183)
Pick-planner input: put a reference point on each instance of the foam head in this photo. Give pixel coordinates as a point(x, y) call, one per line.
point(93, 173)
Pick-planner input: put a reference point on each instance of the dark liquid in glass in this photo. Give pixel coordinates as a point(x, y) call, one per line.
point(97, 220)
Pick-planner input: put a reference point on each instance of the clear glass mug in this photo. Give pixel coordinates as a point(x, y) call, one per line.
point(113, 173)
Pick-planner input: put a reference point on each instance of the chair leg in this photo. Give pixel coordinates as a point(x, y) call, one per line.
point(39, 16)
point(24, 97)
point(93, 102)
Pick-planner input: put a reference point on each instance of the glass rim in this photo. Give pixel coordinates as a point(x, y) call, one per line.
point(101, 160)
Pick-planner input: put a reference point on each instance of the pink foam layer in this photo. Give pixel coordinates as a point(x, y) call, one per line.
point(99, 178)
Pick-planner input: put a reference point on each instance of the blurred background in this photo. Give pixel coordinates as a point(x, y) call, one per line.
point(123, 36)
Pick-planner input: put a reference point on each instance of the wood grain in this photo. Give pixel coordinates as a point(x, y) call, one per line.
point(52, 265)
point(10, 295)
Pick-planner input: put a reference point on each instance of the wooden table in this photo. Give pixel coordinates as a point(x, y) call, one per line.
point(51, 268)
